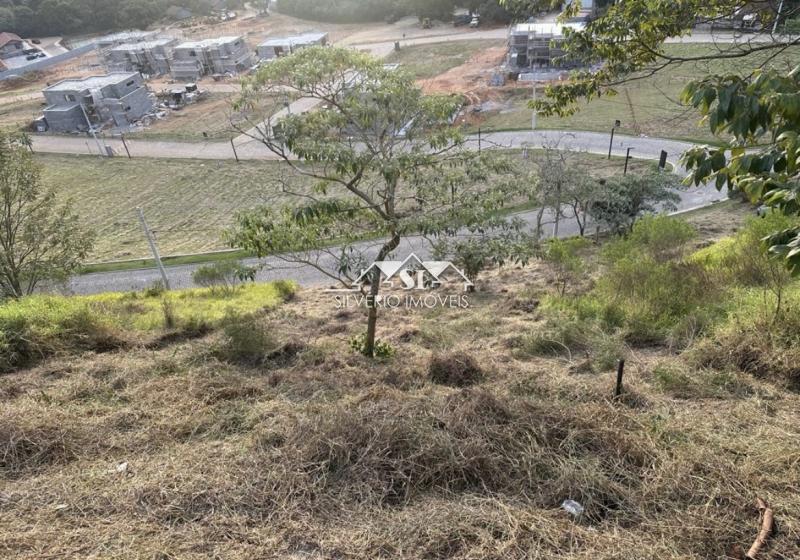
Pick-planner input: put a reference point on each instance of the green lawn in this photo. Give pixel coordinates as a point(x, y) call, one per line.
point(428, 61)
point(188, 203)
point(649, 106)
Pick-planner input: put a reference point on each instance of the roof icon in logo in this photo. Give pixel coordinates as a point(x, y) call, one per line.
point(414, 273)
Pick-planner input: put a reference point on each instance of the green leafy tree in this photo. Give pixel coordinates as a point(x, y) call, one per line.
point(758, 115)
point(40, 240)
point(383, 160)
point(624, 199)
point(761, 113)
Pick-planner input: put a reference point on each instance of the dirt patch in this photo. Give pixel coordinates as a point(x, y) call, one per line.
point(472, 76)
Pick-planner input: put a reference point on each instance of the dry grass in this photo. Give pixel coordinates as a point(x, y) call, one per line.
point(172, 452)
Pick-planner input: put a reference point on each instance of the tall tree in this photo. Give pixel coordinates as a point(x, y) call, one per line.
point(40, 240)
point(383, 158)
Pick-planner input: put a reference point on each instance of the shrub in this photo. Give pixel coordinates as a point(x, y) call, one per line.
point(224, 276)
point(566, 264)
point(454, 370)
point(245, 340)
point(744, 261)
point(382, 349)
point(649, 283)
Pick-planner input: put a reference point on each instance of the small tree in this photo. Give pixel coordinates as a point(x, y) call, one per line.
point(563, 187)
point(626, 198)
point(562, 255)
point(40, 240)
point(383, 162)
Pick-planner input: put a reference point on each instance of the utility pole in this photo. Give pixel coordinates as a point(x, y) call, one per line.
point(533, 118)
point(153, 247)
point(91, 129)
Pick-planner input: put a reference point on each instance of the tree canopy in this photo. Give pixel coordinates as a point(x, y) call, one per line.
point(32, 18)
point(383, 158)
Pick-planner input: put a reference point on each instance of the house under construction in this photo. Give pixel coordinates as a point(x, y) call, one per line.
point(282, 46)
point(119, 98)
point(151, 58)
point(538, 45)
point(223, 55)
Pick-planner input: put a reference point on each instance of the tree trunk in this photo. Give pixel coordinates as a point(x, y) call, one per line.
point(374, 291)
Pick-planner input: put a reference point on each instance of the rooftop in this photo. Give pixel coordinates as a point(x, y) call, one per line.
point(311, 37)
point(144, 45)
point(556, 29)
point(92, 82)
point(208, 42)
point(6, 38)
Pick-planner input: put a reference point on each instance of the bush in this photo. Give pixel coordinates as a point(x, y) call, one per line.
point(382, 349)
point(455, 370)
point(245, 341)
point(224, 276)
point(648, 281)
point(562, 255)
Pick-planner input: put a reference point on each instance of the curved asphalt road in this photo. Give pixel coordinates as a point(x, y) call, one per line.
point(275, 268)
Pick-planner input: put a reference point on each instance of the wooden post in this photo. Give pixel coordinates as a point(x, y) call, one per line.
point(124, 143)
point(620, 372)
point(234, 151)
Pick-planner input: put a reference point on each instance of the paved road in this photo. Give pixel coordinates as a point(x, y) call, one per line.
point(645, 148)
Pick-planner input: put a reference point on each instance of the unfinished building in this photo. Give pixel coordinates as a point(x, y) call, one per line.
point(119, 98)
point(282, 46)
point(223, 55)
point(151, 58)
point(538, 45)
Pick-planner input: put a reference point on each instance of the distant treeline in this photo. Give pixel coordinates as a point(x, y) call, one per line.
point(344, 11)
point(31, 18)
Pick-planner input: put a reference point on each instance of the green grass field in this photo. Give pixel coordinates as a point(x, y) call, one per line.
point(428, 61)
point(649, 106)
point(188, 203)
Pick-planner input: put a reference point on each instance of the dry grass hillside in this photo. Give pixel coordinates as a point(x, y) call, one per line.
point(264, 435)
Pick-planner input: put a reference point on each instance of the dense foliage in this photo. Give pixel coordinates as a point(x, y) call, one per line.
point(346, 11)
point(31, 18)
